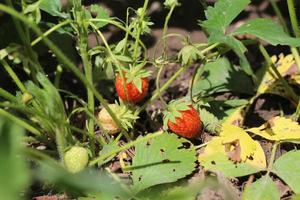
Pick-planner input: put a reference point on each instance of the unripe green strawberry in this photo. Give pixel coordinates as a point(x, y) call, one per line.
point(76, 159)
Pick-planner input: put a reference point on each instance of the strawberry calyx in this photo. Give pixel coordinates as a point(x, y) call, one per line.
point(174, 109)
point(126, 116)
point(135, 75)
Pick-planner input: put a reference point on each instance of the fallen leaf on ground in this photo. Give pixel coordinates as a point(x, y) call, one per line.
point(234, 153)
point(278, 129)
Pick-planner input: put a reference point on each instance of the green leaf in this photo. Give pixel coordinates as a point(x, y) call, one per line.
point(163, 159)
point(101, 14)
point(219, 18)
point(210, 122)
point(53, 7)
point(238, 48)
point(14, 174)
point(180, 190)
point(120, 46)
point(209, 81)
point(188, 54)
point(222, 14)
point(267, 30)
point(287, 168)
point(264, 188)
point(123, 58)
point(88, 181)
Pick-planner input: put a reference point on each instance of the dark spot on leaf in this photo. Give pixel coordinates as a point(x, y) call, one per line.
point(174, 170)
point(148, 144)
point(185, 145)
point(251, 158)
point(165, 161)
point(235, 166)
point(213, 162)
point(162, 150)
point(140, 178)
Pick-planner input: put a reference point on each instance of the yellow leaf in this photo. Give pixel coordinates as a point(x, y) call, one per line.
point(234, 153)
point(269, 83)
point(237, 117)
point(232, 133)
point(278, 128)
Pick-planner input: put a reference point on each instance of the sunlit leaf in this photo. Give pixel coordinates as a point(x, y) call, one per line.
point(234, 153)
point(264, 188)
point(278, 129)
point(53, 7)
point(210, 81)
point(267, 30)
point(163, 159)
point(222, 14)
point(287, 168)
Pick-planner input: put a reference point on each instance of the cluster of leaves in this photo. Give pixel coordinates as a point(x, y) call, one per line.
point(160, 160)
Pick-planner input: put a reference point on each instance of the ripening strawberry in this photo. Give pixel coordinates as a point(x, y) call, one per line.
point(107, 122)
point(123, 114)
point(137, 85)
point(183, 119)
point(76, 159)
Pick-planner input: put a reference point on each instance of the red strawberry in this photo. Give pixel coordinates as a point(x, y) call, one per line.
point(183, 119)
point(137, 85)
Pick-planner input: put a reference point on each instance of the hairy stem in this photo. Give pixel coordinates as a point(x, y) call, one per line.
point(291, 92)
point(136, 44)
point(293, 17)
point(51, 30)
point(272, 158)
point(13, 75)
point(61, 57)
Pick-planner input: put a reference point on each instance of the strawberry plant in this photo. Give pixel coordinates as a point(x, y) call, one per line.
point(126, 100)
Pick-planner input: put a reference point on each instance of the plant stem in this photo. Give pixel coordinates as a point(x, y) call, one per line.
point(117, 64)
point(24, 36)
point(101, 158)
point(164, 38)
point(272, 158)
point(192, 82)
point(83, 35)
point(136, 44)
point(62, 58)
point(166, 28)
point(124, 29)
point(296, 56)
point(13, 75)
point(279, 15)
point(51, 30)
point(293, 17)
point(163, 88)
point(7, 95)
point(20, 122)
point(282, 80)
point(158, 86)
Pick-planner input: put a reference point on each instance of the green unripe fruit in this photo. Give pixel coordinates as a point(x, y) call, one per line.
point(76, 159)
